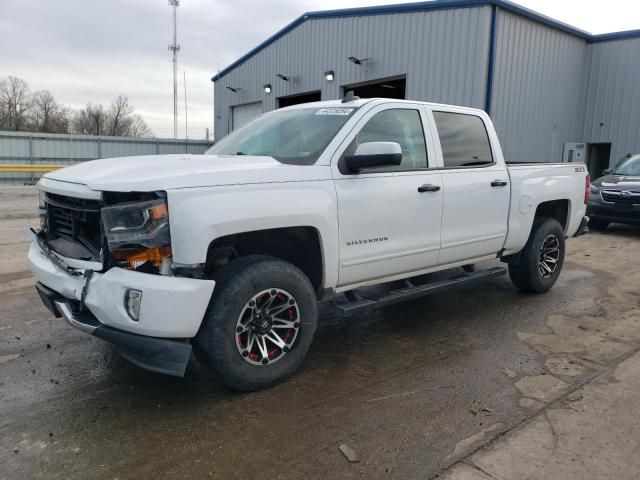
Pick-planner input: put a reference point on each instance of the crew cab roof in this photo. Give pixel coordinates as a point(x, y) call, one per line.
point(363, 101)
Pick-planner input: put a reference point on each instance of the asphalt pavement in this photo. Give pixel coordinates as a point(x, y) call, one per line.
point(479, 382)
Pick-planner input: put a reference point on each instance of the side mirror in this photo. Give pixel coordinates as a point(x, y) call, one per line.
point(607, 171)
point(373, 154)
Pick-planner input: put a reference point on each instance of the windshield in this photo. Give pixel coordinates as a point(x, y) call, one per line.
point(295, 136)
point(630, 167)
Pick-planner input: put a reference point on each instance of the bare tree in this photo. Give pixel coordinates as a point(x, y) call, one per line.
point(22, 111)
point(47, 115)
point(63, 120)
point(138, 127)
point(14, 103)
point(91, 120)
point(122, 122)
point(119, 116)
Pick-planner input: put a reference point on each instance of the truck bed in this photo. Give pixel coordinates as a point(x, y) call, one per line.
point(535, 183)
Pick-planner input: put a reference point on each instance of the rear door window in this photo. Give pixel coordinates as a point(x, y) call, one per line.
point(464, 140)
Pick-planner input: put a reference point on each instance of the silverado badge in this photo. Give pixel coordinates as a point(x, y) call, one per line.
point(367, 240)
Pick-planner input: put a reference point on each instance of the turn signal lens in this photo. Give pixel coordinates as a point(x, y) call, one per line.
point(159, 211)
point(155, 256)
point(132, 303)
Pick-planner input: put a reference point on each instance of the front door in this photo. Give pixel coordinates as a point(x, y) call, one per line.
point(388, 224)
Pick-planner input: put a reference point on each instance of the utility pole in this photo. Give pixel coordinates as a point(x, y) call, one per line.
point(186, 116)
point(175, 48)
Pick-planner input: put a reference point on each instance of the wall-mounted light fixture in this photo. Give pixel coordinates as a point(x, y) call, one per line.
point(267, 88)
point(234, 90)
point(329, 75)
point(358, 61)
point(282, 77)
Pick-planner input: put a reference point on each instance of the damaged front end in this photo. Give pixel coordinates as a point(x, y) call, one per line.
point(105, 265)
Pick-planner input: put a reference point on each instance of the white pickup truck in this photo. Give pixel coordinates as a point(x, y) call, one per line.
point(229, 252)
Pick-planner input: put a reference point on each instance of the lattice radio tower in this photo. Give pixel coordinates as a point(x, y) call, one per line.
point(175, 48)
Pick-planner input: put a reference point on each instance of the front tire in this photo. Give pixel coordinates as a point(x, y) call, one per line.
point(259, 324)
point(541, 259)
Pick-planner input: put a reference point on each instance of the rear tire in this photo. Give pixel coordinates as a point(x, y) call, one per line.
point(541, 259)
point(597, 224)
point(247, 292)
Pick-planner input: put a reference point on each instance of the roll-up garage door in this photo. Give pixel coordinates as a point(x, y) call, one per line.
point(241, 114)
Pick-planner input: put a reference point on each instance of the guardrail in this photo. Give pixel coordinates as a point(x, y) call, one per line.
point(29, 168)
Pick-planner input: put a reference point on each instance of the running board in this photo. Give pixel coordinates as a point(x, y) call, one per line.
point(357, 304)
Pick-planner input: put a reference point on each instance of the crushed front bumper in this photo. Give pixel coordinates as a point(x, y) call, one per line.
point(162, 355)
point(171, 310)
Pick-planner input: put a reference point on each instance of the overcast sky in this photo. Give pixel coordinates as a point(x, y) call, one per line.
point(94, 50)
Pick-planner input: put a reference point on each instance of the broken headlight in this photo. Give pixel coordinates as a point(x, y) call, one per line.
point(138, 232)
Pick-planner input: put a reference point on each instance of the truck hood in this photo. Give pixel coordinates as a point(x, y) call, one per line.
point(166, 172)
point(618, 182)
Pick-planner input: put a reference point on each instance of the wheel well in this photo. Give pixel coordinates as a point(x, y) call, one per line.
point(558, 209)
point(297, 245)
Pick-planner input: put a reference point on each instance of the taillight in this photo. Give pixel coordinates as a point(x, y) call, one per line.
point(587, 189)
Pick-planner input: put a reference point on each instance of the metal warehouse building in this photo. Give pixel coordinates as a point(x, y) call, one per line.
point(553, 91)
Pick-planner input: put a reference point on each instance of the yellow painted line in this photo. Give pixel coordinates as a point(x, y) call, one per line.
point(29, 168)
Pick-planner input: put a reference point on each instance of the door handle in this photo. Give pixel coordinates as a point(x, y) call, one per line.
point(427, 187)
point(499, 183)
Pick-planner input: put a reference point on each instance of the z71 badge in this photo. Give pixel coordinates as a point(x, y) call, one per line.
point(367, 240)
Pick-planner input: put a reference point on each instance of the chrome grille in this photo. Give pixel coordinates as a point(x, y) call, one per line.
point(74, 220)
point(621, 196)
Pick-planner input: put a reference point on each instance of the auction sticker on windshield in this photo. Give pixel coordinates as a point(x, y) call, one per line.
point(334, 111)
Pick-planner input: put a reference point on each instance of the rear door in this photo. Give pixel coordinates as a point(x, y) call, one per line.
point(387, 226)
point(476, 187)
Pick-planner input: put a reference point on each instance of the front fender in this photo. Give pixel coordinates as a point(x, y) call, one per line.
point(198, 216)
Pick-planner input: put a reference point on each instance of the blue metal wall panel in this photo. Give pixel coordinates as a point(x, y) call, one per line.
point(613, 96)
point(443, 54)
point(544, 83)
point(538, 90)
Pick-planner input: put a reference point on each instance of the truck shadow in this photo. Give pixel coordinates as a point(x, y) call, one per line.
point(629, 231)
point(356, 350)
